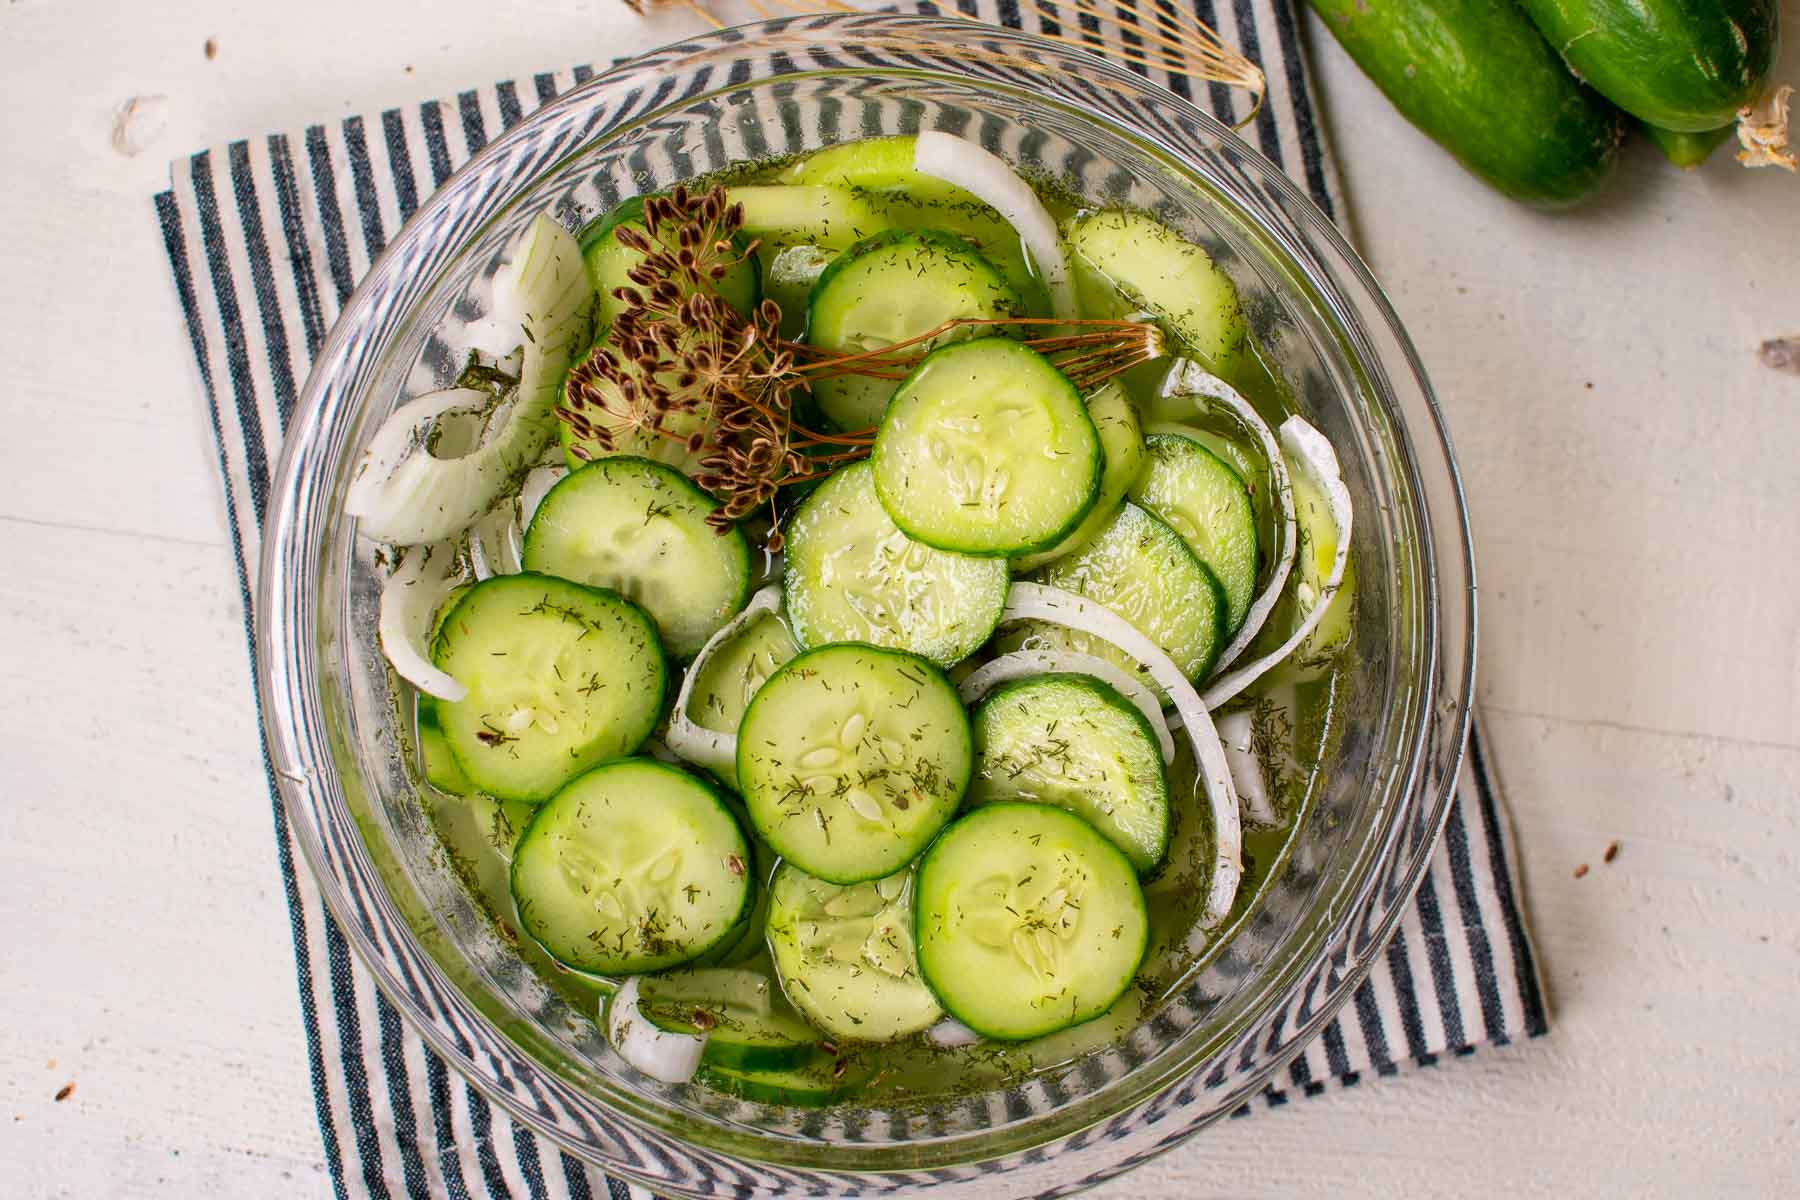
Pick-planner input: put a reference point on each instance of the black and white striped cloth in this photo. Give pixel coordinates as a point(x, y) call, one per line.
point(267, 237)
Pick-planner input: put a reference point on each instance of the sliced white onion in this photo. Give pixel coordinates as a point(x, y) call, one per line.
point(537, 485)
point(1024, 664)
point(409, 602)
point(424, 498)
point(1187, 378)
point(670, 1057)
point(1310, 451)
point(951, 1033)
point(1237, 733)
point(988, 178)
point(1040, 602)
point(708, 747)
point(403, 434)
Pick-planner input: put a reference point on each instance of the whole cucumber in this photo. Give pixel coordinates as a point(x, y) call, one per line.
point(1687, 150)
point(1478, 77)
point(1684, 65)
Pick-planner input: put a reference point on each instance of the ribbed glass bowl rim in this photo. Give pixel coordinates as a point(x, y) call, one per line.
point(289, 688)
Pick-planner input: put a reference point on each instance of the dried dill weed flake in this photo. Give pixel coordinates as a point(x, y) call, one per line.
point(851, 758)
point(628, 870)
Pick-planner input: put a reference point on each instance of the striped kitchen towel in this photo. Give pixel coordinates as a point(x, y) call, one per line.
point(268, 236)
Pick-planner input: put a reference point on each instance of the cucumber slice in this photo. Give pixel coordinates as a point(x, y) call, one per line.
point(617, 432)
point(987, 449)
point(813, 1086)
point(881, 164)
point(852, 757)
point(1142, 570)
point(749, 1026)
point(1072, 741)
point(789, 280)
point(609, 264)
point(436, 763)
point(846, 955)
point(640, 528)
point(886, 289)
point(852, 575)
point(560, 677)
point(1119, 254)
point(1029, 921)
point(1205, 501)
point(1115, 419)
point(633, 867)
point(833, 217)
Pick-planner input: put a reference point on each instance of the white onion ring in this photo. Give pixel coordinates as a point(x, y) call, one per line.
point(708, 747)
point(1237, 733)
point(1310, 452)
point(402, 435)
point(537, 485)
point(951, 1033)
point(410, 600)
point(1024, 664)
point(1040, 602)
point(989, 179)
point(670, 1057)
point(1187, 378)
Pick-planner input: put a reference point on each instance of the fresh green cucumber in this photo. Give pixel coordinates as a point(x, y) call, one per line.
point(987, 449)
point(852, 575)
point(1682, 65)
point(436, 762)
point(1029, 921)
point(880, 164)
point(1072, 741)
point(1115, 418)
point(1688, 150)
point(1143, 570)
point(749, 1025)
point(1126, 261)
point(609, 263)
point(1203, 499)
point(851, 758)
point(846, 955)
point(640, 528)
point(560, 677)
point(1479, 79)
point(821, 1083)
point(833, 217)
point(886, 289)
point(788, 281)
point(633, 867)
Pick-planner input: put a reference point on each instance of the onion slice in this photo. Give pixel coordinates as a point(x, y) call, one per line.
point(1024, 664)
point(989, 179)
point(1237, 733)
point(403, 434)
point(409, 602)
point(950, 1034)
point(708, 747)
point(537, 485)
point(1040, 602)
point(1309, 451)
point(670, 1057)
point(1187, 378)
point(423, 498)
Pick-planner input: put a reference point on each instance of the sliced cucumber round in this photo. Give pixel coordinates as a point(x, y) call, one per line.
point(886, 289)
point(436, 763)
point(1125, 260)
point(814, 1086)
point(1072, 741)
point(1200, 497)
point(1142, 570)
point(1115, 419)
point(749, 1026)
point(633, 867)
point(987, 449)
point(1029, 921)
point(609, 263)
point(846, 955)
point(560, 677)
point(852, 575)
point(640, 528)
point(781, 215)
point(851, 758)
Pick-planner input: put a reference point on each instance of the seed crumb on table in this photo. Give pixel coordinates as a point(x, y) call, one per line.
point(64, 1092)
point(1612, 852)
point(1581, 870)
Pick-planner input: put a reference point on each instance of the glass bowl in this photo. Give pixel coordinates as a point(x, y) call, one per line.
point(340, 746)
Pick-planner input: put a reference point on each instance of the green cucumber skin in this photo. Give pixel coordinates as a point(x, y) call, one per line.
point(1478, 78)
point(1688, 150)
point(1682, 65)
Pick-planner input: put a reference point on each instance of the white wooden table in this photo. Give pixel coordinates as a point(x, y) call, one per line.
point(1635, 487)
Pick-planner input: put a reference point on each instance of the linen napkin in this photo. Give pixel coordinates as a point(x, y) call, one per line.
point(267, 237)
